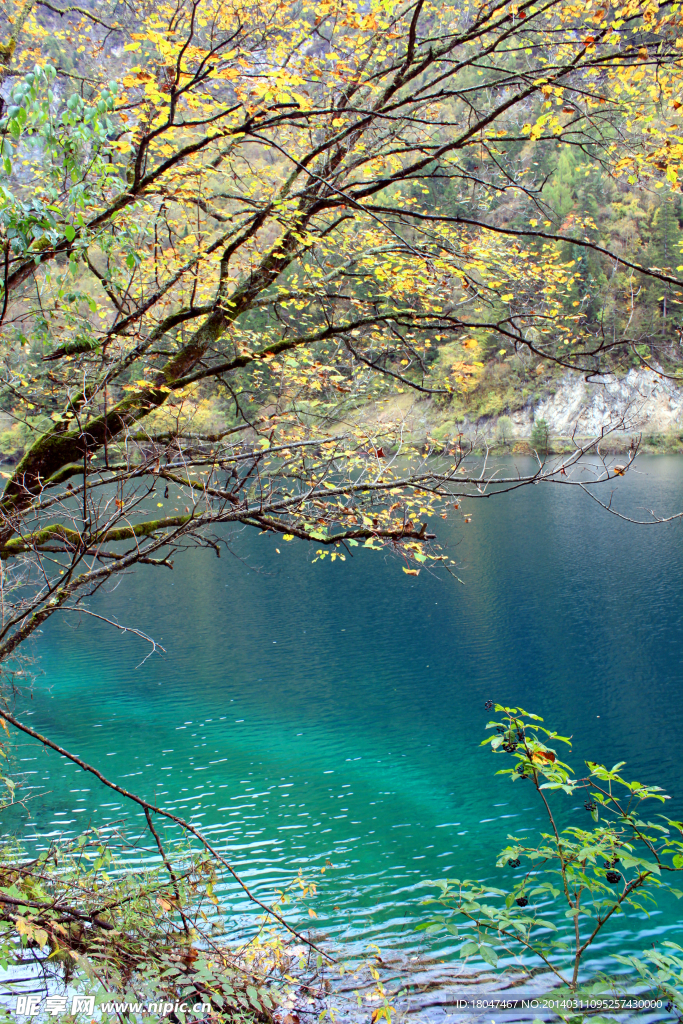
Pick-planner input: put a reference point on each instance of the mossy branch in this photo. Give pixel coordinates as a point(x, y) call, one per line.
point(74, 540)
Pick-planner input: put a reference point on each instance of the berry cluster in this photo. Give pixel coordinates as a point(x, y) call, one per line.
point(590, 806)
point(509, 747)
point(488, 705)
point(514, 863)
point(613, 877)
point(522, 901)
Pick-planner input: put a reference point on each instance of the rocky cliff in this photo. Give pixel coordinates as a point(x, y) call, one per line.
point(642, 402)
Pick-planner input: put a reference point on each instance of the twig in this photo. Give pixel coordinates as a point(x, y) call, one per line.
point(164, 814)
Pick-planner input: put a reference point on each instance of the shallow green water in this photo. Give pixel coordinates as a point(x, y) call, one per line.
point(334, 711)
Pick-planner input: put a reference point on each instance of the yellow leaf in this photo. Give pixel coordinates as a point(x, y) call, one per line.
point(311, 913)
point(411, 572)
point(508, 297)
point(543, 757)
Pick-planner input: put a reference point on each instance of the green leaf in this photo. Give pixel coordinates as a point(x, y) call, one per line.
point(489, 955)
point(70, 233)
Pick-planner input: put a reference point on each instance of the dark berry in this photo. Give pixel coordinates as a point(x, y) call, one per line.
point(522, 901)
point(522, 770)
point(613, 877)
point(669, 1007)
point(500, 728)
point(509, 748)
point(514, 863)
point(590, 806)
point(488, 705)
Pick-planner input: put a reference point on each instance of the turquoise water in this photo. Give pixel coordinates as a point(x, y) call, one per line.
point(305, 713)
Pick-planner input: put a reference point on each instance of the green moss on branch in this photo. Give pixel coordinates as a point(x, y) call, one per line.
point(73, 539)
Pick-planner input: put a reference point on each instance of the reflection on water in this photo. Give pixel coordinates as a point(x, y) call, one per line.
point(305, 713)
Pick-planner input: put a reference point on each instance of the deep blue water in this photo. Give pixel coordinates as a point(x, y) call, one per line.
point(334, 711)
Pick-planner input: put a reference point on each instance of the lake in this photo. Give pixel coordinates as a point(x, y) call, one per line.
point(305, 713)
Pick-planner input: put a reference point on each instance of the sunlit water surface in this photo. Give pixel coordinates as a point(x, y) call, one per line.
point(305, 713)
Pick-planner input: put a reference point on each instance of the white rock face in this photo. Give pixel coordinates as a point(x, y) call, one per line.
point(642, 401)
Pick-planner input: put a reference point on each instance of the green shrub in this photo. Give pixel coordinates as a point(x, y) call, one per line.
point(586, 865)
point(504, 429)
point(540, 437)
